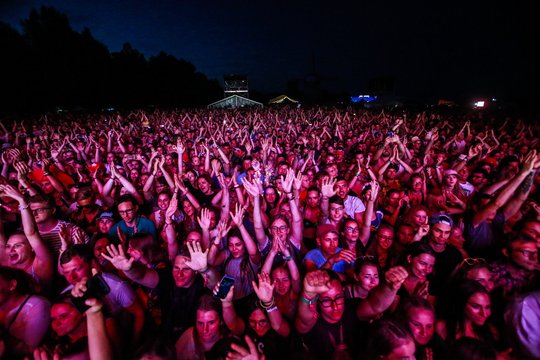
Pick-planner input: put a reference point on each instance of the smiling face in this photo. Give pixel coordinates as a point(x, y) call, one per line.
point(236, 247)
point(259, 323)
point(207, 324)
point(421, 266)
point(282, 281)
point(478, 308)
point(183, 275)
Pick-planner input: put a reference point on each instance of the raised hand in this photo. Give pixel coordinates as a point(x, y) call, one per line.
point(204, 219)
point(327, 187)
point(297, 181)
point(240, 353)
point(222, 229)
point(12, 192)
point(346, 255)
point(374, 190)
point(265, 289)
point(251, 187)
point(238, 215)
point(395, 277)
point(316, 282)
point(198, 258)
point(118, 258)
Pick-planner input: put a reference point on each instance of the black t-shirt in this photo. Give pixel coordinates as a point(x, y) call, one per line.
point(445, 263)
point(179, 306)
point(324, 337)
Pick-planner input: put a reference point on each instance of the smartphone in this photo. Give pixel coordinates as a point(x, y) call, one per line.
point(224, 287)
point(96, 289)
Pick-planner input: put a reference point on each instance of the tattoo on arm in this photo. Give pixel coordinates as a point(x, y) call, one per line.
point(526, 184)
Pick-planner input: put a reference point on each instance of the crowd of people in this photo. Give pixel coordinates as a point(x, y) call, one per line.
point(346, 234)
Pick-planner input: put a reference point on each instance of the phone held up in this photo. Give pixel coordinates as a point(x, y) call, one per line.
point(96, 289)
point(224, 287)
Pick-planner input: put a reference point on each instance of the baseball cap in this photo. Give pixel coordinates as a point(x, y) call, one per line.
point(450, 172)
point(415, 138)
point(324, 229)
point(441, 219)
point(105, 215)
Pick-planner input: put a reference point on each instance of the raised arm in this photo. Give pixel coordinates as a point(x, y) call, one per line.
point(382, 297)
point(251, 247)
point(136, 272)
point(265, 293)
point(254, 191)
point(365, 231)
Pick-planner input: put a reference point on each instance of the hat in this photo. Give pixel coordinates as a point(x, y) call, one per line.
point(415, 138)
point(324, 229)
point(441, 219)
point(450, 172)
point(105, 215)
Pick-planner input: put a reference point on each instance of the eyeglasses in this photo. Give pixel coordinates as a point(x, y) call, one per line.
point(40, 210)
point(338, 208)
point(261, 323)
point(124, 212)
point(340, 300)
point(527, 253)
point(279, 228)
point(352, 229)
point(473, 261)
point(383, 237)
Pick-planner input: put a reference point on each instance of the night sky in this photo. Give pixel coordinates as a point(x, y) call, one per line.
point(441, 49)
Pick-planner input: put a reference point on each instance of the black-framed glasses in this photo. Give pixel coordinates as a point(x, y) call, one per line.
point(261, 323)
point(279, 228)
point(350, 229)
point(326, 302)
point(41, 210)
point(127, 211)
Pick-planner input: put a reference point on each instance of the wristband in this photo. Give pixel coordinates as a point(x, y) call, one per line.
point(204, 271)
point(288, 258)
point(273, 308)
point(23, 207)
point(309, 301)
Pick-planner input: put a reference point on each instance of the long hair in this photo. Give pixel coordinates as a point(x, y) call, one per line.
point(386, 336)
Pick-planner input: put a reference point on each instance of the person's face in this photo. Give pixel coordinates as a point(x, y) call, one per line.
point(342, 189)
point(105, 225)
point(188, 208)
point(337, 211)
point(285, 210)
point(127, 211)
point(351, 231)
point(483, 276)
point(236, 247)
point(328, 243)
point(110, 157)
point(390, 173)
point(477, 179)
point(403, 352)
point(417, 184)
point(99, 248)
point(207, 324)
point(204, 186)
point(524, 255)
point(43, 212)
point(270, 195)
point(478, 308)
point(368, 277)
point(246, 164)
point(463, 173)
point(306, 181)
point(422, 265)
point(76, 270)
point(163, 202)
point(456, 237)
point(282, 281)
point(385, 238)
point(168, 160)
point(393, 198)
point(332, 302)
point(451, 180)
point(282, 169)
point(194, 236)
point(134, 174)
point(405, 235)
point(332, 171)
point(65, 319)
point(313, 199)
point(85, 204)
point(18, 249)
point(183, 275)
point(135, 253)
point(440, 233)
point(258, 322)
point(421, 324)
point(280, 229)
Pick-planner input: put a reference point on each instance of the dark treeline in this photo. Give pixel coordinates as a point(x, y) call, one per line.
point(51, 65)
